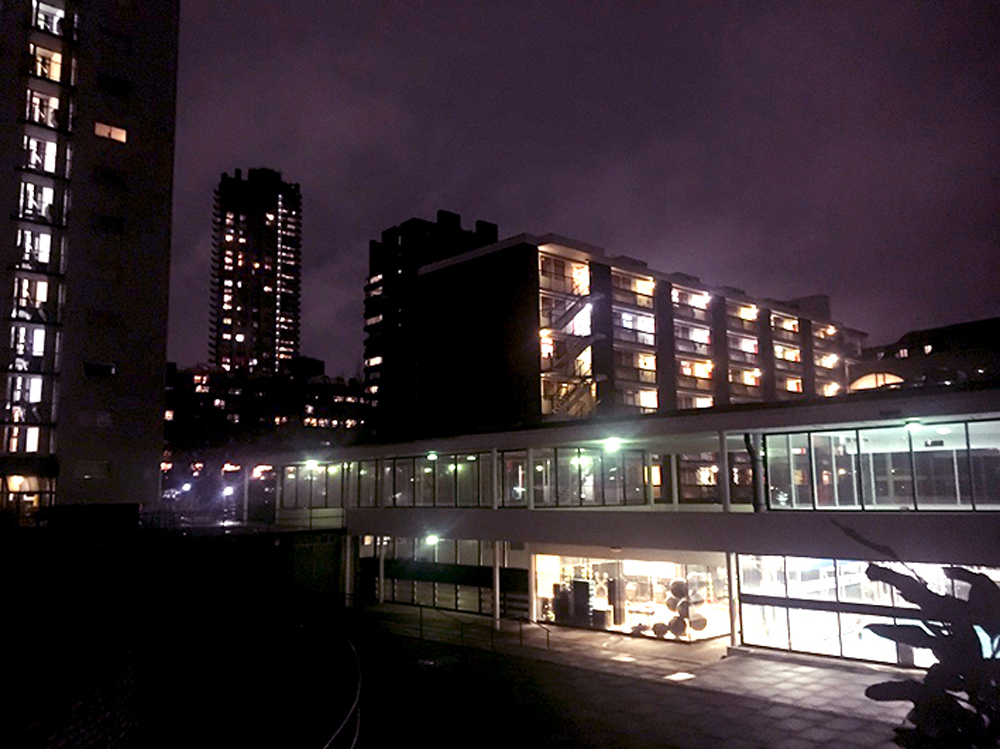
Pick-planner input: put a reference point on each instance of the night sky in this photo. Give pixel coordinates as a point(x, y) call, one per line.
point(784, 148)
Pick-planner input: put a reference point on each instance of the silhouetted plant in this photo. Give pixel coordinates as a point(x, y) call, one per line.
point(957, 704)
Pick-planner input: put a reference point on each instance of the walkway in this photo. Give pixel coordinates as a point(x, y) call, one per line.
point(593, 689)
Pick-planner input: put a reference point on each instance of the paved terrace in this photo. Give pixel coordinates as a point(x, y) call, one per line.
point(557, 687)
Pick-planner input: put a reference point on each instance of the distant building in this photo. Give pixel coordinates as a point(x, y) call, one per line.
point(466, 333)
point(954, 354)
point(393, 300)
point(256, 272)
point(87, 142)
point(208, 407)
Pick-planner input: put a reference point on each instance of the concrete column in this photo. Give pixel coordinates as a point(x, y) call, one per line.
point(722, 477)
point(647, 478)
point(380, 544)
point(675, 481)
point(532, 598)
point(348, 567)
point(529, 479)
point(246, 494)
point(495, 479)
point(496, 584)
point(759, 486)
point(734, 618)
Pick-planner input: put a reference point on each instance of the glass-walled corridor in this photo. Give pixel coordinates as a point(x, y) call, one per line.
point(953, 466)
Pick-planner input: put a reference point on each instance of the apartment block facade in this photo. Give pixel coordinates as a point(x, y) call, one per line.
point(256, 272)
point(86, 139)
point(534, 329)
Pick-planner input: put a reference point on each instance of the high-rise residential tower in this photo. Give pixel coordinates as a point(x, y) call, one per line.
point(86, 142)
point(256, 272)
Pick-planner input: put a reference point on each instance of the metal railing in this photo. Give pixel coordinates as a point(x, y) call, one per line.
point(347, 732)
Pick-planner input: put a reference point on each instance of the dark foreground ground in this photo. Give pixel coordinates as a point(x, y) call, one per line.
point(160, 641)
point(452, 696)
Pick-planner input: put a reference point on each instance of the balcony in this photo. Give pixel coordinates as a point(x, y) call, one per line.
point(744, 390)
point(687, 346)
point(687, 312)
point(564, 284)
point(630, 335)
point(46, 313)
point(634, 374)
point(32, 414)
point(738, 324)
point(739, 356)
point(786, 365)
point(633, 298)
point(783, 334)
point(687, 382)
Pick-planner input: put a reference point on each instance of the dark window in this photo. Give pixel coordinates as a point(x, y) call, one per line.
point(112, 84)
point(99, 370)
point(108, 224)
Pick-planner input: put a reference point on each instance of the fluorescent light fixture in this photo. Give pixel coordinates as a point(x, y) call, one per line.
point(612, 445)
point(432, 540)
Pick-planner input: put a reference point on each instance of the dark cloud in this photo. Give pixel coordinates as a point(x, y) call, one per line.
point(788, 149)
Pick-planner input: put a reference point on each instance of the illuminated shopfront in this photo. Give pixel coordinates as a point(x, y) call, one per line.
point(660, 599)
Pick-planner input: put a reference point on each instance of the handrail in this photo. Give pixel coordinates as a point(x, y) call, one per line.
point(354, 712)
point(522, 620)
point(462, 625)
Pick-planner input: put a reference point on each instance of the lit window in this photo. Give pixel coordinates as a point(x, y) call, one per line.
point(31, 439)
point(48, 64)
point(648, 399)
point(793, 385)
point(107, 131)
point(830, 389)
point(374, 361)
point(38, 342)
point(701, 335)
point(787, 353)
point(928, 348)
point(749, 313)
point(373, 320)
point(35, 390)
point(239, 338)
point(375, 278)
point(703, 402)
point(219, 403)
point(829, 361)
point(751, 377)
point(168, 415)
point(647, 361)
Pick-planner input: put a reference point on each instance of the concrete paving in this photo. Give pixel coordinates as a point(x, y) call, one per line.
point(592, 689)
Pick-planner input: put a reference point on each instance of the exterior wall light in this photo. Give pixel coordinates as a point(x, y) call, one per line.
point(312, 465)
point(227, 492)
point(432, 540)
point(432, 456)
point(612, 445)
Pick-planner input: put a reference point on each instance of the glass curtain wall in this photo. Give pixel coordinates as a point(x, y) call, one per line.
point(948, 466)
point(824, 606)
